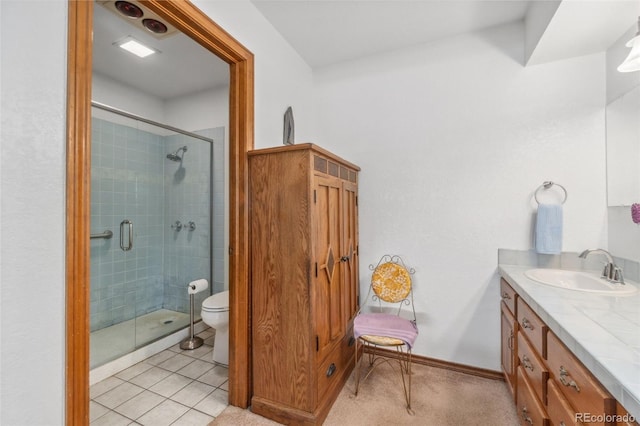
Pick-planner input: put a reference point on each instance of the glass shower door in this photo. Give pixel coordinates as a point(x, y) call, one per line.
point(151, 189)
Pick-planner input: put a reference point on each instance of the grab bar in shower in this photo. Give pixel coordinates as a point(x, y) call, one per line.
point(106, 235)
point(130, 242)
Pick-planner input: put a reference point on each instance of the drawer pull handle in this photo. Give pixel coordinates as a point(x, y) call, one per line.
point(527, 324)
point(506, 296)
point(525, 416)
point(331, 370)
point(563, 379)
point(526, 363)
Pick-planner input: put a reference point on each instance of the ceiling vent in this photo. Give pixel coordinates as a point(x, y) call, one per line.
point(140, 17)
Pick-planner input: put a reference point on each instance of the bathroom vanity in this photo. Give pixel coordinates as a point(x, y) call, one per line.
point(569, 357)
point(304, 280)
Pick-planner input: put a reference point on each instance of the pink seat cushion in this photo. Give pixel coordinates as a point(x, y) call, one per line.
point(385, 325)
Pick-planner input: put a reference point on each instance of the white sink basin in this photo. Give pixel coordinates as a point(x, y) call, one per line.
point(579, 281)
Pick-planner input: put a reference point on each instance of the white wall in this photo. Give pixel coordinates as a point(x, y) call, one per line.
point(453, 138)
point(32, 240)
point(114, 94)
point(32, 167)
point(282, 78)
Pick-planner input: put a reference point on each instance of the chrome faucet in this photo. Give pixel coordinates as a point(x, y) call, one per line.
point(611, 272)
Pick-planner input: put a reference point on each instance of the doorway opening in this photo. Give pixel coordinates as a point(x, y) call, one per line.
point(199, 27)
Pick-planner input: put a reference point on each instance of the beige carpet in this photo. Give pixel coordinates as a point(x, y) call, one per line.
point(440, 397)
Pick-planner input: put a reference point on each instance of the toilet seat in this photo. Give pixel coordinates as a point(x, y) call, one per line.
point(219, 302)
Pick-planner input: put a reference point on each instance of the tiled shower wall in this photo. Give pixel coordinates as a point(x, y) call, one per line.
point(132, 179)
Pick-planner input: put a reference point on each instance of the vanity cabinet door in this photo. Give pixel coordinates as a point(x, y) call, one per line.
point(577, 385)
point(508, 347)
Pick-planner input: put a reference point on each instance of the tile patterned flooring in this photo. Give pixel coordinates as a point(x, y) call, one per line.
point(174, 387)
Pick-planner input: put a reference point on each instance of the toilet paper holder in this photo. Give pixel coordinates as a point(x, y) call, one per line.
point(191, 342)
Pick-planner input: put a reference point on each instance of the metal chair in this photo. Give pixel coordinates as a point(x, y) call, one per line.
point(382, 326)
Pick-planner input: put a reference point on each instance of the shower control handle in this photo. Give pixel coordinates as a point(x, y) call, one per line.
point(191, 226)
point(177, 225)
point(129, 244)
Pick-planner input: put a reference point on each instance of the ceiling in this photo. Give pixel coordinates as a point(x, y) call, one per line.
point(181, 68)
point(326, 32)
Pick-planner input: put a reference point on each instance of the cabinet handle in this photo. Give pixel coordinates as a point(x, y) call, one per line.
point(527, 324)
point(563, 379)
point(345, 258)
point(526, 363)
point(506, 296)
point(331, 370)
point(510, 341)
point(562, 423)
point(525, 416)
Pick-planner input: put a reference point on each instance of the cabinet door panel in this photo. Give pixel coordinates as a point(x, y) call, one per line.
point(350, 250)
point(328, 287)
point(508, 346)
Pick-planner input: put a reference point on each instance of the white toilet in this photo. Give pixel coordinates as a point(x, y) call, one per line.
point(215, 313)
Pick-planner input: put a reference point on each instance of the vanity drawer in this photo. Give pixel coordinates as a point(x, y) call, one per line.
point(533, 368)
point(623, 418)
point(508, 295)
point(575, 383)
point(530, 411)
point(559, 410)
point(532, 326)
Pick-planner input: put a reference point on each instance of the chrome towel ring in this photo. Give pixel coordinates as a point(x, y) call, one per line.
point(546, 185)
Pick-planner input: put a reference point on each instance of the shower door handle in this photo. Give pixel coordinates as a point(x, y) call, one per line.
point(130, 242)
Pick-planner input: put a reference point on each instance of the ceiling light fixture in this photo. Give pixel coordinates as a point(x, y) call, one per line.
point(134, 46)
point(632, 63)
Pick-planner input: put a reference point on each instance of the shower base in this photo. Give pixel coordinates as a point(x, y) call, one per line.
point(117, 340)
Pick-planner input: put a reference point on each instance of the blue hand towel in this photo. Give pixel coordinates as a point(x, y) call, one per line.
point(549, 229)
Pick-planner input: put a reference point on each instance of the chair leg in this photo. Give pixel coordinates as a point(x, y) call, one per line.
point(357, 367)
point(405, 368)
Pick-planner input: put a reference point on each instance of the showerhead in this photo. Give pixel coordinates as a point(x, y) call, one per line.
point(174, 155)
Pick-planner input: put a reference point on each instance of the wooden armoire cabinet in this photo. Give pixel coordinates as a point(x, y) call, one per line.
point(304, 279)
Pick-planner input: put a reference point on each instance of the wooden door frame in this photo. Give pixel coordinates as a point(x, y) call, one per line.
point(198, 26)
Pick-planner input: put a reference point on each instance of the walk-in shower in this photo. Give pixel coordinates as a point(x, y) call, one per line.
point(140, 263)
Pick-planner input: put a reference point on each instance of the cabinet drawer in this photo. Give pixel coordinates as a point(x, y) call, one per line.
point(533, 368)
point(508, 295)
point(530, 411)
point(623, 418)
point(559, 410)
point(532, 326)
point(576, 384)
point(339, 362)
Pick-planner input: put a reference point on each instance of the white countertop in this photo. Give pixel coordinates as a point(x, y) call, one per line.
point(602, 331)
